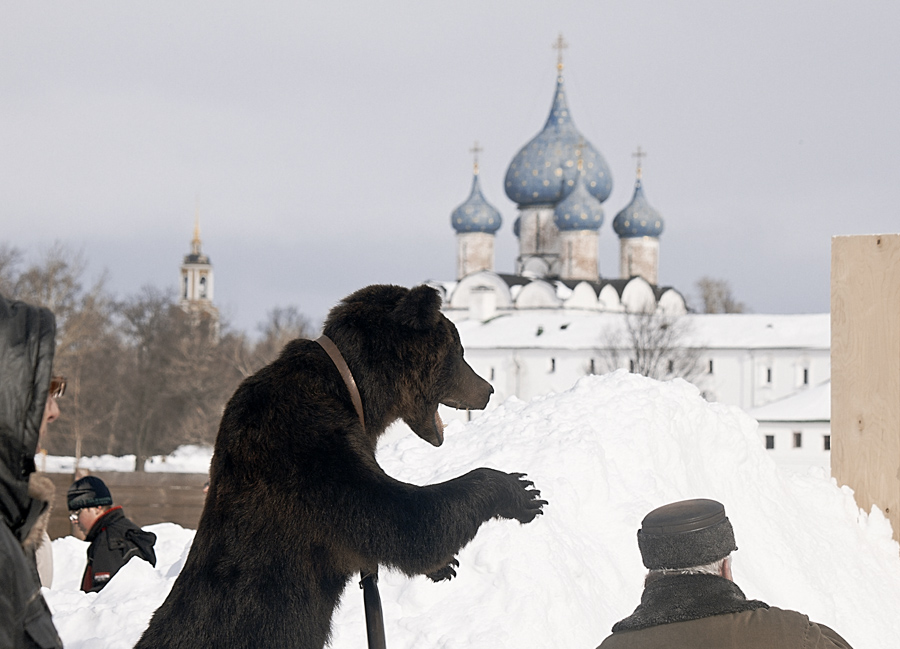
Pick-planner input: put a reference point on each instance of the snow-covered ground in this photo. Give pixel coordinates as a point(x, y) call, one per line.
point(603, 454)
point(186, 459)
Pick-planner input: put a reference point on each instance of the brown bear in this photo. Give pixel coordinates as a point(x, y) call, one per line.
point(297, 503)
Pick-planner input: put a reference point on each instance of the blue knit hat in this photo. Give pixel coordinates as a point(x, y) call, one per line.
point(89, 491)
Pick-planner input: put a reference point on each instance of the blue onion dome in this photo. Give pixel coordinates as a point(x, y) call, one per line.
point(543, 171)
point(476, 214)
point(579, 210)
point(638, 219)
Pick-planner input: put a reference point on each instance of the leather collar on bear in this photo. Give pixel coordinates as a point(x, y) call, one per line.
point(335, 354)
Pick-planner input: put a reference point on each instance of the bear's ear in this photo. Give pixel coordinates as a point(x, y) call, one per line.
point(419, 309)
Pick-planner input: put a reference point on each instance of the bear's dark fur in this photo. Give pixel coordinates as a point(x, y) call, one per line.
point(297, 504)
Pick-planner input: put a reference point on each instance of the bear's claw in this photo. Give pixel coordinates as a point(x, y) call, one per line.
point(446, 573)
point(527, 502)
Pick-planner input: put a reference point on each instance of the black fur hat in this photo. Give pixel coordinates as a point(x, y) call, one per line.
point(88, 491)
point(685, 534)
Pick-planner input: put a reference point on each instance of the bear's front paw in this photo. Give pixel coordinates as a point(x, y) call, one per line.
point(445, 573)
point(524, 503)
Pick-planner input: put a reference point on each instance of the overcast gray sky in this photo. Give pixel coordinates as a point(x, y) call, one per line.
point(326, 144)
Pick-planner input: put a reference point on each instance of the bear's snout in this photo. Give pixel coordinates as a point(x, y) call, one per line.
point(468, 391)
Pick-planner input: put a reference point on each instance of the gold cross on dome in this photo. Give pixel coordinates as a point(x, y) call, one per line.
point(559, 46)
point(475, 150)
point(639, 154)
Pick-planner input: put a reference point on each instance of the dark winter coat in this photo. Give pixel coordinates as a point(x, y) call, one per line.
point(26, 358)
point(710, 611)
point(114, 541)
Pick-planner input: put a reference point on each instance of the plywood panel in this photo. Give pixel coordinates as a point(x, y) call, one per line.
point(865, 370)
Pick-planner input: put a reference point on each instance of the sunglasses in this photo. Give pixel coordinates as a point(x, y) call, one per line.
point(73, 516)
point(57, 386)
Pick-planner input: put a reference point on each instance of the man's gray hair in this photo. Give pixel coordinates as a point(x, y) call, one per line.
point(714, 568)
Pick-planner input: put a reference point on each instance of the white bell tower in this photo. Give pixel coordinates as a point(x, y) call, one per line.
point(196, 287)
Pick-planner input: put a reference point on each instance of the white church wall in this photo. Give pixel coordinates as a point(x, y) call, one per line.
point(474, 252)
point(483, 303)
point(749, 378)
point(460, 298)
point(529, 353)
point(578, 254)
point(533, 372)
point(582, 297)
point(538, 242)
point(639, 256)
point(779, 373)
point(525, 373)
point(530, 372)
point(720, 378)
point(672, 303)
point(609, 300)
point(638, 297)
point(537, 294)
point(197, 282)
point(798, 446)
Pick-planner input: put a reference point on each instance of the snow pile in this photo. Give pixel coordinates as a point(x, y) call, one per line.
point(190, 458)
point(604, 454)
point(95, 463)
point(186, 459)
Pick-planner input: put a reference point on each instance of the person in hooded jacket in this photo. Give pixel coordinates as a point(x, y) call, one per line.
point(113, 539)
point(27, 344)
point(690, 598)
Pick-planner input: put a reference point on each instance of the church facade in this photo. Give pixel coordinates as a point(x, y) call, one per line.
point(559, 182)
point(554, 319)
point(196, 285)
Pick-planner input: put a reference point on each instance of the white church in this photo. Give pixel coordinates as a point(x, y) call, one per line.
point(196, 285)
point(555, 319)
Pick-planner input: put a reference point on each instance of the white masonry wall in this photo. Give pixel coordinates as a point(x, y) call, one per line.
point(474, 253)
point(639, 256)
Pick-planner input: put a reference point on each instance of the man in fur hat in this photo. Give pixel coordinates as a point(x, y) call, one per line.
point(689, 597)
point(113, 538)
point(27, 405)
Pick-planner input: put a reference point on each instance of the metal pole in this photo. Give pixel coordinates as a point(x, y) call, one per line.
point(374, 616)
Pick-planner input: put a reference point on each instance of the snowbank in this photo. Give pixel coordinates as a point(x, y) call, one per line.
point(190, 458)
point(604, 454)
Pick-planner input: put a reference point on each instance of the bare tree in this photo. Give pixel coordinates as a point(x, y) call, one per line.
point(203, 379)
point(146, 325)
point(85, 341)
point(10, 258)
point(180, 376)
point(283, 325)
point(652, 344)
point(716, 296)
point(144, 377)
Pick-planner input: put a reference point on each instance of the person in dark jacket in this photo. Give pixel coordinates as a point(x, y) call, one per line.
point(689, 597)
point(27, 343)
point(113, 539)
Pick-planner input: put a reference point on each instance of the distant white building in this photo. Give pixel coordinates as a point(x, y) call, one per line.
point(775, 367)
point(555, 319)
point(197, 284)
point(748, 360)
point(797, 429)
